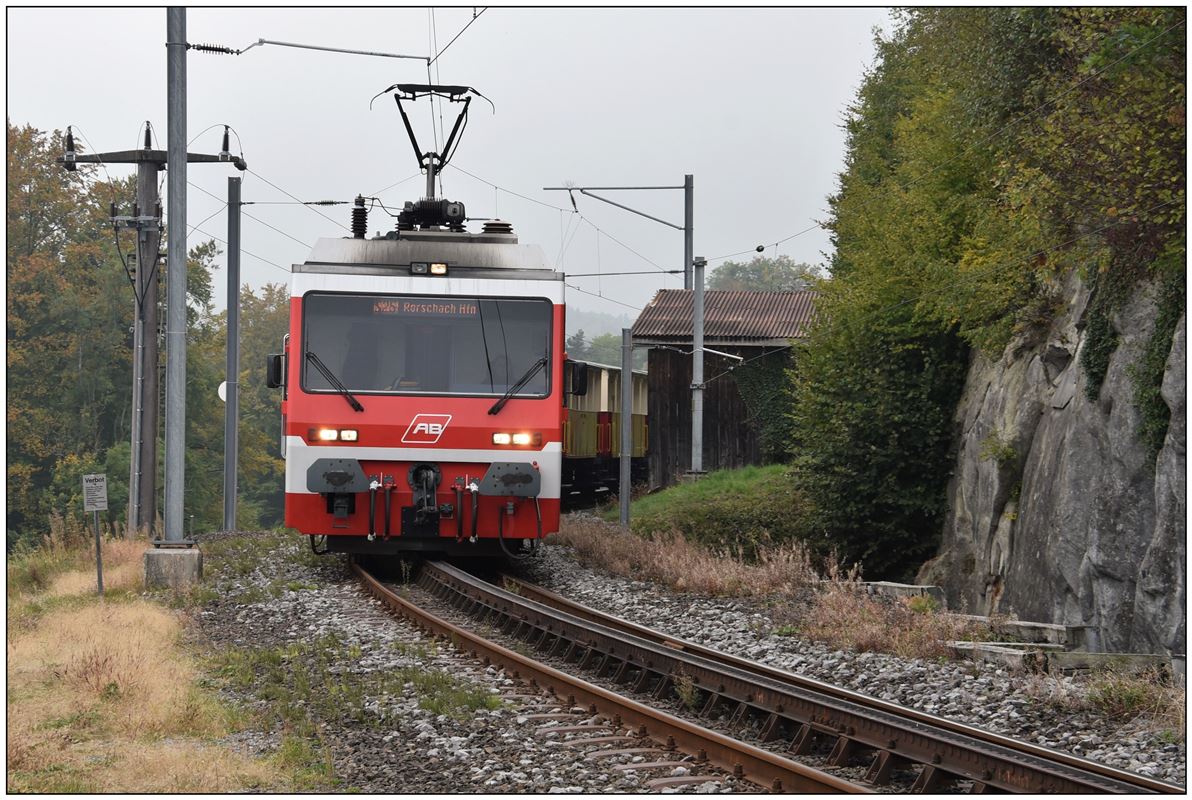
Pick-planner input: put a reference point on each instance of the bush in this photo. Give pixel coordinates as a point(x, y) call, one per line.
point(739, 510)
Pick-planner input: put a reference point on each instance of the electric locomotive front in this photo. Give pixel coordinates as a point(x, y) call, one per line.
point(424, 398)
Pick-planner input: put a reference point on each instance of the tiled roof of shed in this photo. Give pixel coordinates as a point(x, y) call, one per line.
point(728, 315)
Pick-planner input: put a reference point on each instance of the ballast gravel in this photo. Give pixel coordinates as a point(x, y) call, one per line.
point(980, 695)
point(289, 598)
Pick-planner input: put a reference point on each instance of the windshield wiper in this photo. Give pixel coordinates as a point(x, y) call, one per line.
point(515, 388)
point(334, 381)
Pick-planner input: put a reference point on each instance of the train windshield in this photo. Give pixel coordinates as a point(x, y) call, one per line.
point(422, 344)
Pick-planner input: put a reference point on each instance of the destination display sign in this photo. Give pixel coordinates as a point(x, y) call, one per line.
point(422, 307)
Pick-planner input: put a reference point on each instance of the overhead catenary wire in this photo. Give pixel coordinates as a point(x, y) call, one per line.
point(246, 252)
point(476, 16)
point(250, 216)
point(602, 297)
point(292, 197)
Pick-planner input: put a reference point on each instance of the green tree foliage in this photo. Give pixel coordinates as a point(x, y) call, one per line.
point(778, 274)
point(69, 314)
point(69, 354)
point(991, 153)
point(604, 349)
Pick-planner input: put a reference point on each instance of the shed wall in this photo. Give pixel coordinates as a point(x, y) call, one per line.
point(729, 440)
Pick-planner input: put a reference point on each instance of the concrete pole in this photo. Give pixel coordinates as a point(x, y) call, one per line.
point(626, 423)
point(232, 409)
point(688, 235)
point(142, 493)
point(176, 277)
point(697, 368)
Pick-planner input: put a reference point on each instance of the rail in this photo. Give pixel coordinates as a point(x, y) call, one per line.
point(762, 767)
point(947, 750)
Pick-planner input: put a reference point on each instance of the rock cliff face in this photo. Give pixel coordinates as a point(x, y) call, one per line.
point(1056, 511)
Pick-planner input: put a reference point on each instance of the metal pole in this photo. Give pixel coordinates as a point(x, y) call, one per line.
point(626, 422)
point(138, 398)
point(688, 235)
point(98, 558)
point(176, 276)
point(430, 177)
point(232, 411)
point(697, 368)
point(143, 472)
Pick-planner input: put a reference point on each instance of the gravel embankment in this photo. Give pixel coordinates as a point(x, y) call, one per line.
point(986, 697)
point(269, 596)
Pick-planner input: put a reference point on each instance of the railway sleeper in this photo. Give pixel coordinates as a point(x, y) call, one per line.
point(932, 780)
point(885, 763)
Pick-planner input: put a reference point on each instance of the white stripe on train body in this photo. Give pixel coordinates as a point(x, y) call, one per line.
point(299, 456)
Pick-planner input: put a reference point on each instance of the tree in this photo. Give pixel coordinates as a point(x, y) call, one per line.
point(991, 154)
point(762, 274)
point(264, 320)
point(69, 313)
point(576, 346)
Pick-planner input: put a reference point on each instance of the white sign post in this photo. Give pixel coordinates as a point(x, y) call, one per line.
point(95, 499)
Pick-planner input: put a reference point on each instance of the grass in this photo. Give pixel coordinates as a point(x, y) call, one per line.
point(1149, 695)
point(742, 511)
point(102, 698)
point(1148, 699)
point(303, 675)
point(843, 616)
point(102, 694)
point(671, 559)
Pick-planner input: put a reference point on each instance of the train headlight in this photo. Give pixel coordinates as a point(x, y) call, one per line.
point(521, 438)
point(327, 434)
point(418, 268)
point(502, 438)
point(347, 435)
point(438, 269)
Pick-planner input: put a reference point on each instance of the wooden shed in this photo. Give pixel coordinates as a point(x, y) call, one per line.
point(758, 327)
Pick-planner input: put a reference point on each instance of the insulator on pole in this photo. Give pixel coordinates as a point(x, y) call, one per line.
point(148, 136)
point(359, 218)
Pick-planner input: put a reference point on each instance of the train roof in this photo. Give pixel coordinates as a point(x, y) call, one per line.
point(481, 251)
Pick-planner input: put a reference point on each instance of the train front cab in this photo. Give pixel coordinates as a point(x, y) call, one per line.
point(400, 430)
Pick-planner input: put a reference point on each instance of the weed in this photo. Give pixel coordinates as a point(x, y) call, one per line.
point(786, 630)
point(998, 447)
point(923, 604)
point(1148, 694)
point(686, 691)
point(441, 693)
point(673, 560)
point(845, 617)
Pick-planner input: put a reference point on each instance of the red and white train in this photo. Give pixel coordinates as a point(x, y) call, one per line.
point(427, 404)
point(426, 391)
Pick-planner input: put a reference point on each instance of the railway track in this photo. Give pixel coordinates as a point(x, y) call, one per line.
point(654, 731)
point(781, 710)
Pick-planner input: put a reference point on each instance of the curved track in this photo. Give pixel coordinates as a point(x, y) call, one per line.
point(862, 727)
point(762, 767)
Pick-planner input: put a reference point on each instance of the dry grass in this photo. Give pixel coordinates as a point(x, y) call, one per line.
point(122, 570)
point(94, 692)
point(1150, 696)
point(101, 697)
point(842, 616)
point(1148, 699)
point(671, 560)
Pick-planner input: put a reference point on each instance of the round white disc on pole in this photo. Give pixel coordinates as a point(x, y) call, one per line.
point(222, 391)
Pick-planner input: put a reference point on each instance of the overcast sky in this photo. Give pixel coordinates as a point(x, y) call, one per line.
point(748, 101)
